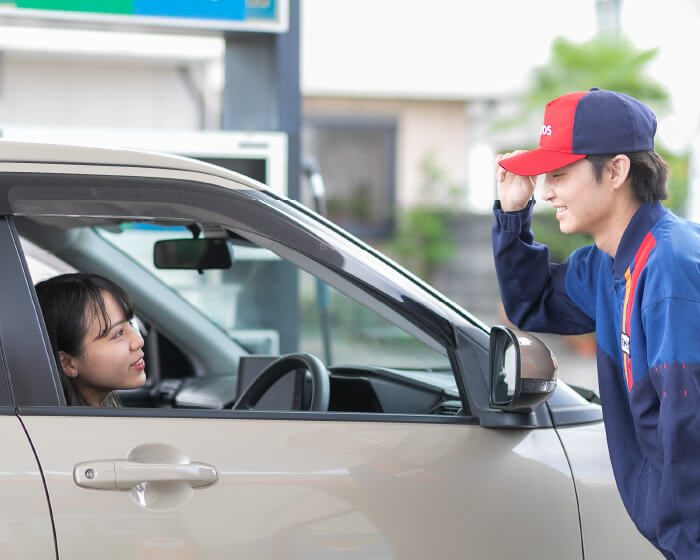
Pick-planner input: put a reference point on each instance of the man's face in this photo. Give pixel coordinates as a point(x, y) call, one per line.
point(582, 204)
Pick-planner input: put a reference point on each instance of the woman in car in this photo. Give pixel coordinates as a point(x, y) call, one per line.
point(97, 345)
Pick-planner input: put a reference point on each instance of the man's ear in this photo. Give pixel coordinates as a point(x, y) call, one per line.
point(619, 170)
point(68, 364)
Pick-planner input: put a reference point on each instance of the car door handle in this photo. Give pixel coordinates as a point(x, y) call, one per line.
point(124, 475)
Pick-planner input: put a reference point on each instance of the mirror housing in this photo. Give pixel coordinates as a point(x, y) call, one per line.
point(192, 254)
point(522, 370)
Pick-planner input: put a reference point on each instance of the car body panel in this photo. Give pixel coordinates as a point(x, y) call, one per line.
point(25, 519)
point(328, 489)
point(603, 516)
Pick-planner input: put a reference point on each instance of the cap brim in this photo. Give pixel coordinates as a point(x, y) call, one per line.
point(538, 161)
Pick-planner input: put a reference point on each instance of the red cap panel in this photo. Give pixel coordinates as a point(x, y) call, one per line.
point(537, 162)
point(558, 126)
point(556, 140)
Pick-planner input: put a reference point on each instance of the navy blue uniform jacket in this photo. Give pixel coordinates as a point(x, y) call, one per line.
point(644, 307)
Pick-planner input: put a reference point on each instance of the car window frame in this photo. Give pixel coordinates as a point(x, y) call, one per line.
point(37, 194)
point(24, 343)
point(7, 406)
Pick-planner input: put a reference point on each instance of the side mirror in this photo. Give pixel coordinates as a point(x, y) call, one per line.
point(192, 254)
point(522, 368)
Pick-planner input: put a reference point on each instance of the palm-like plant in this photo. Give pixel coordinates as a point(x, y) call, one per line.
point(604, 62)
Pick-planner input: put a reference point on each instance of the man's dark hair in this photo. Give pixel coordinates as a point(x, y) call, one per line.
point(648, 174)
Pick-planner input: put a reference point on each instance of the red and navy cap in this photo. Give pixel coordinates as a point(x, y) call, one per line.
point(587, 123)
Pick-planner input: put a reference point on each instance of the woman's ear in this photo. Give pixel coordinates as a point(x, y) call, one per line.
point(619, 170)
point(68, 364)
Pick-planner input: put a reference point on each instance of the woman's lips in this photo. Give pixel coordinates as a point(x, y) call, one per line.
point(139, 364)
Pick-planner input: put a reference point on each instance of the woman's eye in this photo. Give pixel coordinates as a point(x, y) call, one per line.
point(119, 333)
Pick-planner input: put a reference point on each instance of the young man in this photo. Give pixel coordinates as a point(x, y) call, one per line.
point(637, 287)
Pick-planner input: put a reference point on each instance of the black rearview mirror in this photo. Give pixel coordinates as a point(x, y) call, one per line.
point(192, 254)
point(523, 370)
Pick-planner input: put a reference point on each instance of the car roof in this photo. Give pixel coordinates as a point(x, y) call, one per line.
point(37, 152)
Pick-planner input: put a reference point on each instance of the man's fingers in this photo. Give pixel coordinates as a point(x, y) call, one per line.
point(499, 157)
point(499, 171)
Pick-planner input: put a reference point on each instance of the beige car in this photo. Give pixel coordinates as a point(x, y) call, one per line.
point(310, 400)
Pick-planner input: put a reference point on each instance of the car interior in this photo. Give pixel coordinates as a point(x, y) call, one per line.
point(230, 324)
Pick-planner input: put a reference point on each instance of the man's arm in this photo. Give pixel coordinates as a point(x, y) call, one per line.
point(533, 291)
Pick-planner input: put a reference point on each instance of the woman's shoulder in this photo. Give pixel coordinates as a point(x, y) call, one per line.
point(112, 400)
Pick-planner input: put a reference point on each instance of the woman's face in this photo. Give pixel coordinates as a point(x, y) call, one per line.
point(113, 361)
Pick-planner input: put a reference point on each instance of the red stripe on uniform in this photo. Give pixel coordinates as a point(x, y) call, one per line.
point(628, 364)
point(640, 261)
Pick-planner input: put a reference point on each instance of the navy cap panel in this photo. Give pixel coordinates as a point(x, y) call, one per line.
point(607, 122)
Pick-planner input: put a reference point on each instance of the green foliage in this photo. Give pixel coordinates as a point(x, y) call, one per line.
point(603, 62)
point(423, 240)
point(678, 181)
point(356, 208)
point(545, 227)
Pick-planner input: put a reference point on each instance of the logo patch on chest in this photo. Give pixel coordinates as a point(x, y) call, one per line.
point(625, 343)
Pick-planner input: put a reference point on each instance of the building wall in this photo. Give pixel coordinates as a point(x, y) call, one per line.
point(51, 91)
point(423, 127)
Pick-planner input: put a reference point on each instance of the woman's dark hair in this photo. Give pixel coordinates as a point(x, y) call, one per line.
point(69, 303)
point(648, 174)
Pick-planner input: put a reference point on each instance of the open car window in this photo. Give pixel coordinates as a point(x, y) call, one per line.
point(210, 332)
point(244, 300)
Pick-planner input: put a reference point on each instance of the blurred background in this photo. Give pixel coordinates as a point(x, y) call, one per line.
point(400, 105)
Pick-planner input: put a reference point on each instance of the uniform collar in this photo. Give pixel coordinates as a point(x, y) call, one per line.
point(643, 220)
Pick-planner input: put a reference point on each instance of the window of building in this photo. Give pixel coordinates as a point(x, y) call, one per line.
point(357, 161)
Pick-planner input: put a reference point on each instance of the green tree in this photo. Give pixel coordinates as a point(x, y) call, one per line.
point(603, 62)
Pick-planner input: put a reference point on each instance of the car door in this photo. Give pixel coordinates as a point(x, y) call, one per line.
point(26, 529)
point(179, 483)
point(301, 488)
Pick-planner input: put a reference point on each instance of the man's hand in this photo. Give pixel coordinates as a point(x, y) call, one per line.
point(514, 191)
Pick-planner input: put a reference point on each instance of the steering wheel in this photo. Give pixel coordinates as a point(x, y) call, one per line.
point(320, 381)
